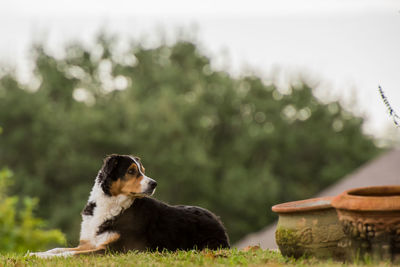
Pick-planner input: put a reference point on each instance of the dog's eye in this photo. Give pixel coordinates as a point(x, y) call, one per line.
point(131, 171)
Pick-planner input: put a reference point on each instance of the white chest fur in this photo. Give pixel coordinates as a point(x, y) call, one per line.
point(106, 208)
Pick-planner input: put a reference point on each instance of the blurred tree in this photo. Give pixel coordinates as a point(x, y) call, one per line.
point(233, 145)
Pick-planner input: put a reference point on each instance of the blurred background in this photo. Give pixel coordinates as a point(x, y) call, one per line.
point(232, 105)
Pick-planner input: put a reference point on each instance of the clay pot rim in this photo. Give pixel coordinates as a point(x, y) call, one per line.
point(296, 206)
point(349, 200)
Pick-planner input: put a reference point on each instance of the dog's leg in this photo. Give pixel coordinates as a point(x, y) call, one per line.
point(99, 250)
point(83, 245)
point(68, 253)
point(60, 250)
point(54, 251)
point(82, 249)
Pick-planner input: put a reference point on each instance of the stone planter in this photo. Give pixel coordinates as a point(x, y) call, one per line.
point(309, 227)
point(370, 218)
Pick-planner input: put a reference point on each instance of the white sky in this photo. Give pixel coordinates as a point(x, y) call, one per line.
point(351, 46)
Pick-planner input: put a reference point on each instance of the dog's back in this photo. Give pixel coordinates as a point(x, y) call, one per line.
point(152, 225)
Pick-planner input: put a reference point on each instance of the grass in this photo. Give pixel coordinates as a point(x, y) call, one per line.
point(233, 257)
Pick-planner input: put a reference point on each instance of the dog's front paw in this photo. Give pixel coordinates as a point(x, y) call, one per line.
point(38, 254)
point(46, 255)
point(55, 250)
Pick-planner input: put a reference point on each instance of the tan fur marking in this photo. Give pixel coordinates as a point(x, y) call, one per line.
point(116, 187)
point(128, 184)
point(114, 238)
point(100, 248)
point(85, 244)
point(132, 186)
point(91, 251)
point(133, 166)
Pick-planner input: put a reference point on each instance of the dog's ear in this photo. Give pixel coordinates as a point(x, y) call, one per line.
point(110, 165)
point(108, 172)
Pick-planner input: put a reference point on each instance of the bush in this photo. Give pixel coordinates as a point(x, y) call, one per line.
point(19, 229)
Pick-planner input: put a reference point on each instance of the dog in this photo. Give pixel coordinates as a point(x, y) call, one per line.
point(121, 216)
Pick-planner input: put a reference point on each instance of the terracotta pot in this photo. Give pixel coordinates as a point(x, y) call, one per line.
point(309, 227)
point(370, 217)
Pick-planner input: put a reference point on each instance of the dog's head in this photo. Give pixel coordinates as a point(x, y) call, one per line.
point(124, 174)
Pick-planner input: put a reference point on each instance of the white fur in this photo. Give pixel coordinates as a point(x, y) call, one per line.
point(106, 208)
point(49, 254)
point(145, 183)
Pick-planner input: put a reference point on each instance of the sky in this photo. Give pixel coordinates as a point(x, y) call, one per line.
point(348, 46)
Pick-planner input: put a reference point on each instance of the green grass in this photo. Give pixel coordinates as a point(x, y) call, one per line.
point(231, 257)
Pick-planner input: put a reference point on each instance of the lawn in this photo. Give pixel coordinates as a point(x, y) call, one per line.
point(233, 257)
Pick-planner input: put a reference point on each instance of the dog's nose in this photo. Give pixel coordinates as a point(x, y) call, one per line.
point(152, 184)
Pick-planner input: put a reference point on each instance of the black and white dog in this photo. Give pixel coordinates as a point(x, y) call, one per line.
point(120, 217)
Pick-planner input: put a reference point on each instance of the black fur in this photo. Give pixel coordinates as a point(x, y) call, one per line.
point(149, 224)
point(105, 226)
point(89, 208)
point(152, 225)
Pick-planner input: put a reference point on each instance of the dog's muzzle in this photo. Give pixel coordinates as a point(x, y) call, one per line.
point(148, 185)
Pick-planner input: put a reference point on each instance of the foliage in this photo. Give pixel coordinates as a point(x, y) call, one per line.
point(236, 146)
point(19, 229)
